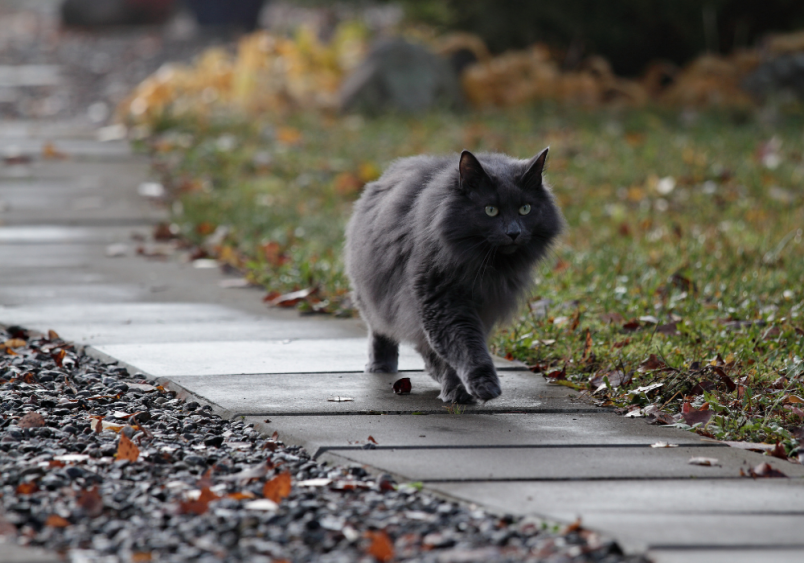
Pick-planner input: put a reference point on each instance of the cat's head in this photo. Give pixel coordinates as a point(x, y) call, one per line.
point(503, 204)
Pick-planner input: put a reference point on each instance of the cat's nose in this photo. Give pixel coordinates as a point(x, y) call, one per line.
point(513, 231)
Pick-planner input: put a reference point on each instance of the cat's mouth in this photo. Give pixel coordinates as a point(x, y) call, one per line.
point(510, 249)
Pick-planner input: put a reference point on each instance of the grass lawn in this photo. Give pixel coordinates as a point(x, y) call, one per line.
point(677, 288)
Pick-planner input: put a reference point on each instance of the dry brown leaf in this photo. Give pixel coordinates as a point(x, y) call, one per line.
point(56, 521)
point(763, 471)
point(28, 488)
point(15, 343)
point(141, 557)
point(31, 420)
point(126, 449)
point(277, 488)
point(50, 151)
point(381, 547)
point(200, 505)
point(242, 495)
point(704, 461)
point(52, 335)
point(91, 501)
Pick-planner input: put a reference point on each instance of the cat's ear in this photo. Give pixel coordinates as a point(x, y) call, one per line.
point(471, 172)
point(532, 178)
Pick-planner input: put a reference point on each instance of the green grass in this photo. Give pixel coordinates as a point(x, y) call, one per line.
point(720, 254)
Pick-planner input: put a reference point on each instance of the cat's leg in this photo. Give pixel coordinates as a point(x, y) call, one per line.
point(452, 389)
point(383, 354)
point(456, 333)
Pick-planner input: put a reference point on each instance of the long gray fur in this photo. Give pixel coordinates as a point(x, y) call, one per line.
point(429, 266)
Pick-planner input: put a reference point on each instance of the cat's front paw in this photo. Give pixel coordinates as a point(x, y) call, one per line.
point(381, 367)
point(484, 384)
point(456, 394)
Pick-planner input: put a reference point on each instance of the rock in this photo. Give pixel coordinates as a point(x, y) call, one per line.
point(92, 13)
point(784, 73)
point(401, 76)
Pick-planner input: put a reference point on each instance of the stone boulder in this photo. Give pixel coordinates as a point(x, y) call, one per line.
point(403, 77)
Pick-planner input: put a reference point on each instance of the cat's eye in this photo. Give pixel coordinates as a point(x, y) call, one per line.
point(491, 211)
point(524, 210)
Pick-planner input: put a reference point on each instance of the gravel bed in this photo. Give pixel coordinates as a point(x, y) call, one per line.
point(70, 426)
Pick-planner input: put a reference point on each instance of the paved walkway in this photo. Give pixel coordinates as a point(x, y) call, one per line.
point(536, 450)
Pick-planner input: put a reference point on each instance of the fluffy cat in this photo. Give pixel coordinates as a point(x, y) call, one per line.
point(439, 250)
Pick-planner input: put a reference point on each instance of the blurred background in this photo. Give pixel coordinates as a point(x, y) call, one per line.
point(82, 58)
point(677, 154)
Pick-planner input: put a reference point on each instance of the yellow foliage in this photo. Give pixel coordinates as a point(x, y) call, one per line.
point(268, 73)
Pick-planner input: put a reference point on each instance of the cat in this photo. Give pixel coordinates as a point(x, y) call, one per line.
point(440, 249)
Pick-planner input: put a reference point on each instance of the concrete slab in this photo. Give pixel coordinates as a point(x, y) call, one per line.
point(556, 463)
point(446, 430)
point(71, 147)
point(71, 294)
point(277, 394)
point(59, 234)
point(336, 355)
point(745, 554)
point(14, 76)
point(638, 532)
point(669, 496)
point(12, 553)
point(36, 316)
point(46, 204)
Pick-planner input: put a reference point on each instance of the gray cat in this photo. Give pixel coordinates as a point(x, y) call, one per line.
point(439, 250)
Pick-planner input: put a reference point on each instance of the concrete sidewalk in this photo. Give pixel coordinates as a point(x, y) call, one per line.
point(537, 450)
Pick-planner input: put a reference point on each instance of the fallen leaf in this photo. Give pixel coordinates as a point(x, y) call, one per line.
point(141, 557)
point(611, 318)
point(91, 502)
point(14, 343)
point(31, 420)
point(381, 547)
point(669, 329)
point(200, 505)
point(587, 348)
point(320, 482)
point(58, 357)
point(651, 363)
point(292, 299)
point(277, 488)
point(695, 416)
point(645, 389)
point(402, 386)
point(372, 440)
point(763, 471)
point(572, 528)
point(751, 446)
point(261, 504)
point(28, 488)
point(704, 461)
point(52, 335)
point(631, 325)
point(56, 521)
point(50, 151)
point(250, 474)
point(790, 399)
point(242, 495)
point(338, 399)
point(126, 449)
